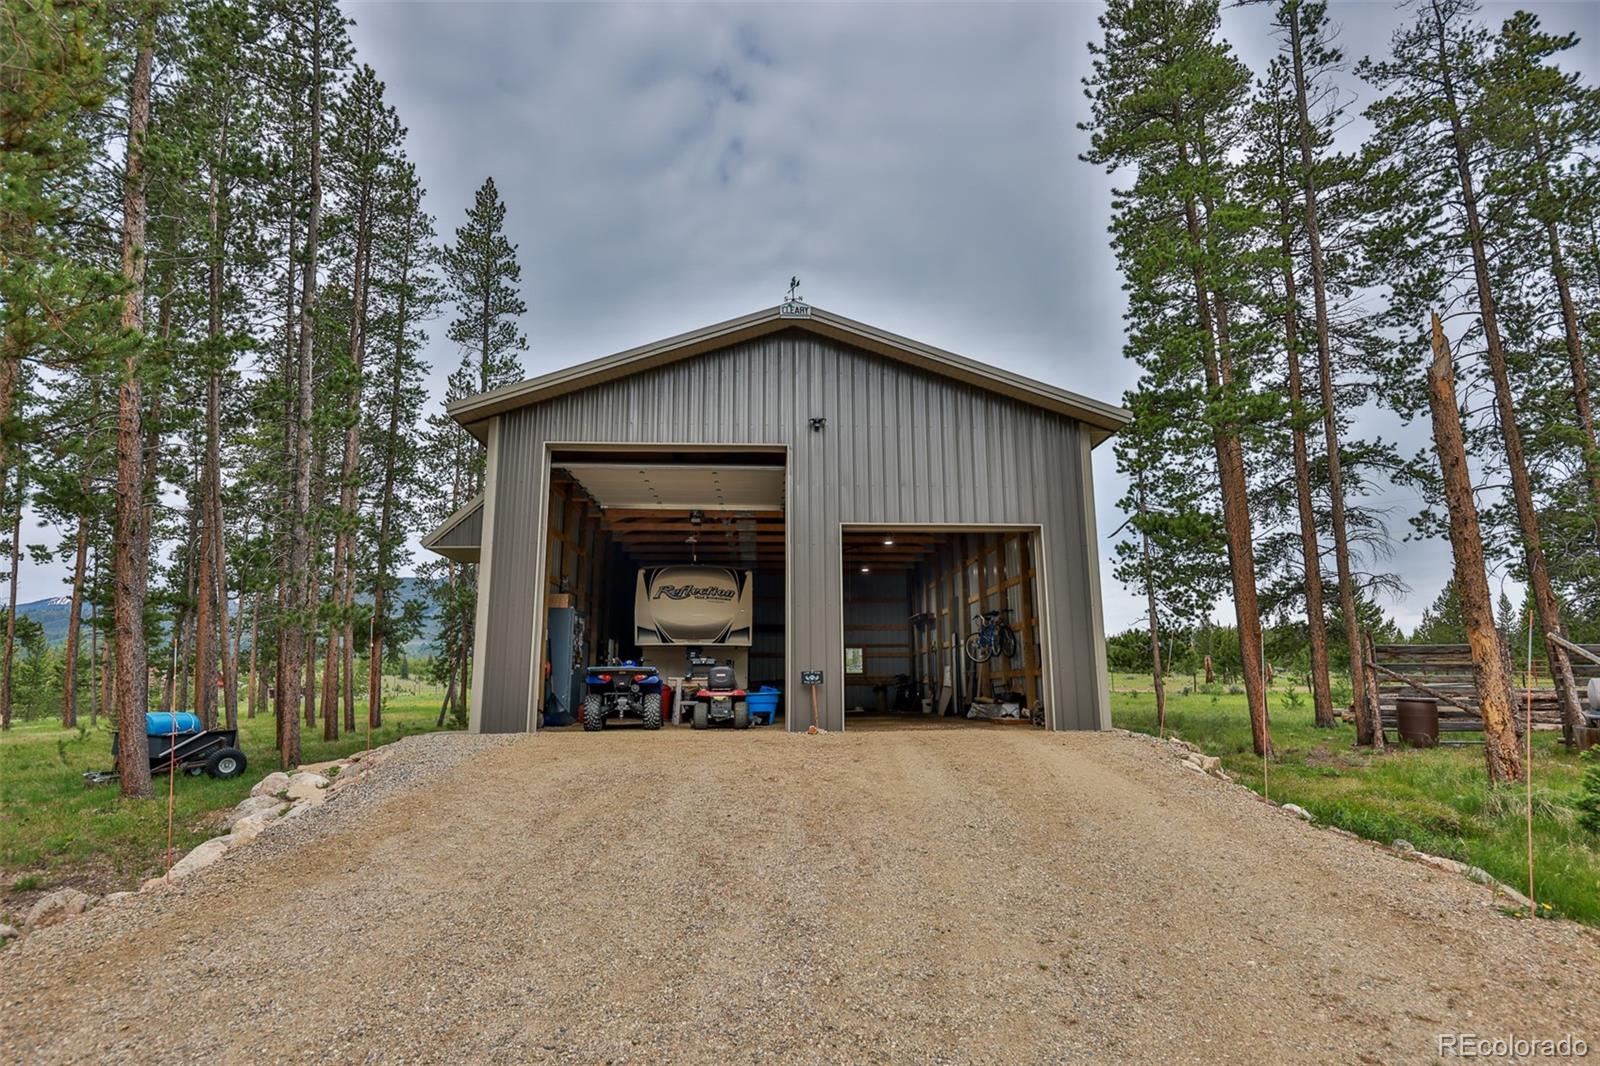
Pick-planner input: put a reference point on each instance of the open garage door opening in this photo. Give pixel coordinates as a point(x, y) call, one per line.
point(943, 626)
point(668, 564)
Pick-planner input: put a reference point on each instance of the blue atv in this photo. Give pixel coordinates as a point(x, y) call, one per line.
point(622, 690)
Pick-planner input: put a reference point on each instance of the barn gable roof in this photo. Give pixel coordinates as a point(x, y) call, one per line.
point(1103, 419)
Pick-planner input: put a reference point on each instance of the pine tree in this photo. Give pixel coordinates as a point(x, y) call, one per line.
point(1441, 620)
point(1166, 96)
point(315, 39)
point(408, 295)
point(1542, 121)
point(1312, 57)
point(363, 149)
point(481, 277)
point(1433, 77)
point(131, 537)
point(54, 73)
point(1272, 121)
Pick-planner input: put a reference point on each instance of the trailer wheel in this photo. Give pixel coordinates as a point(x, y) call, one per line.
point(225, 763)
point(652, 710)
point(594, 715)
point(741, 716)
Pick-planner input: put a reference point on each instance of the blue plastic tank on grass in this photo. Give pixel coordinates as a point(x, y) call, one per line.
point(166, 723)
point(763, 704)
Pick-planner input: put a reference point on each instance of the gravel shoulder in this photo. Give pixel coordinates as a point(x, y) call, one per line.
point(944, 895)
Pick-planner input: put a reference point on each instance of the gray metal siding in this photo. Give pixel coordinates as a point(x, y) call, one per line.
point(901, 445)
point(467, 533)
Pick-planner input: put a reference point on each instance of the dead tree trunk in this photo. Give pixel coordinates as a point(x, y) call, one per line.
point(1538, 573)
point(1490, 667)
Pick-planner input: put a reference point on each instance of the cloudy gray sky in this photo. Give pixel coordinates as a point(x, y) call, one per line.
point(669, 166)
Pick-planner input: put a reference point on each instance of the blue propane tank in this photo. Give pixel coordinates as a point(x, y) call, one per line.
point(166, 723)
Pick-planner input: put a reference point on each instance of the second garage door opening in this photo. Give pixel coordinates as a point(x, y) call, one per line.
point(942, 624)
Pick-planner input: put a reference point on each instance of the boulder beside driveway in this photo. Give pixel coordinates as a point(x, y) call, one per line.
point(199, 858)
point(305, 787)
point(58, 906)
point(271, 785)
point(249, 806)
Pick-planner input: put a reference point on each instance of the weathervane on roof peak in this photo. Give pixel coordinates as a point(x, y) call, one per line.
point(793, 306)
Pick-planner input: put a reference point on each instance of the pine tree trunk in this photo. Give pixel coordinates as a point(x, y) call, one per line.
point(69, 679)
point(10, 374)
point(448, 706)
point(1316, 622)
point(300, 619)
point(186, 629)
point(1235, 501)
point(1218, 358)
point(344, 548)
point(1155, 640)
point(379, 626)
point(9, 653)
point(1490, 667)
point(133, 749)
point(1365, 727)
point(108, 671)
point(1538, 573)
point(95, 672)
point(310, 659)
point(250, 689)
point(219, 590)
point(330, 678)
point(205, 622)
point(230, 646)
point(291, 435)
point(347, 647)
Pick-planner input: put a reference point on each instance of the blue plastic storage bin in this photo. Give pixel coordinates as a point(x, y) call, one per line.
point(166, 723)
point(763, 703)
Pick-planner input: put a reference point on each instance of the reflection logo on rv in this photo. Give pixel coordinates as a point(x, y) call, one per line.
point(698, 592)
point(693, 605)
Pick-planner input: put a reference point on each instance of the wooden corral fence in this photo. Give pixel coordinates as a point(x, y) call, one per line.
point(1446, 670)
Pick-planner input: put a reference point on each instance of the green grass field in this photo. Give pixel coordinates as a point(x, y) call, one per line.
point(1438, 799)
point(55, 832)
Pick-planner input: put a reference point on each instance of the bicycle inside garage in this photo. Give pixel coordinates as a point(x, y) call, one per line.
point(942, 626)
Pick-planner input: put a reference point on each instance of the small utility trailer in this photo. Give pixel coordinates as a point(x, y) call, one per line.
point(176, 740)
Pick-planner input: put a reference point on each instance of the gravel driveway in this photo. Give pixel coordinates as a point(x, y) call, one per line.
point(928, 895)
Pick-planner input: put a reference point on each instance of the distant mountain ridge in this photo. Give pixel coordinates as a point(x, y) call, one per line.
point(54, 612)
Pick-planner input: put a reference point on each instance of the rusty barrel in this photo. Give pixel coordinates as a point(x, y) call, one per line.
point(1417, 720)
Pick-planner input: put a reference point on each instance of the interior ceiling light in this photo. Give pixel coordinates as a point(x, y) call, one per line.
point(866, 569)
point(888, 541)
